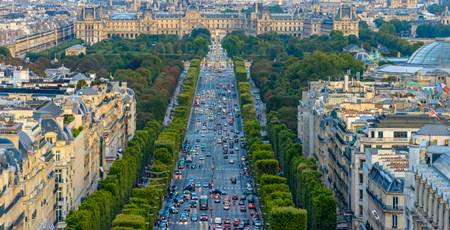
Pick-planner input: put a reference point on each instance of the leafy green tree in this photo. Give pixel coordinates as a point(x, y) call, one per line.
point(287, 218)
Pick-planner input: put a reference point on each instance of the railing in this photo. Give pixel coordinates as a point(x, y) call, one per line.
point(384, 139)
point(384, 206)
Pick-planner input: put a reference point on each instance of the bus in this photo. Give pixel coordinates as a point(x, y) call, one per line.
point(203, 202)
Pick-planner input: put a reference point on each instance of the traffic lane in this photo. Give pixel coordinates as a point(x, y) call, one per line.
point(233, 208)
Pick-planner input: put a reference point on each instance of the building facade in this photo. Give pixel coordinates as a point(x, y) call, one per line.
point(95, 25)
point(55, 146)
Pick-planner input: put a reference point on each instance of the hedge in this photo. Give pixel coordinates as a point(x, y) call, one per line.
point(97, 210)
point(146, 202)
point(273, 191)
point(304, 179)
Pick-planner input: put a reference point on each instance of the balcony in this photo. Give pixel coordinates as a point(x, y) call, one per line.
point(385, 139)
point(382, 205)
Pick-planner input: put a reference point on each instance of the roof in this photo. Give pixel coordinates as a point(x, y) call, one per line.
point(87, 91)
point(414, 121)
point(434, 130)
point(48, 110)
point(434, 54)
point(50, 125)
point(385, 180)
point(79, 77)
point(10, 156)
point(400, 69)
point(437, 175)
point(77, 46)
point(124, 16)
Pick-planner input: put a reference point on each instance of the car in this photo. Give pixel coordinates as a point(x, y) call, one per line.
point(205, 185)
point(194, 204)
point(226, 206)
point(241, 202)
point(183, 219)
point(251, 206)
point(194, 217)
point(225, 156)
point(243, 209)
point(231, 161)
point(257, 223)
point(236, 222)
point(193, 166)
point(204, 217)
point(235, 197)
point(233, 180)
point(173, 210)
point(242, 198)
point(218, 220)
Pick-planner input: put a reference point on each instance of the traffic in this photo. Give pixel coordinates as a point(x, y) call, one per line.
point(212, 187)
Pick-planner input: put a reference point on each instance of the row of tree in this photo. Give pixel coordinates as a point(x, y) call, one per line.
point(153, 78)
point(97, 211)
point(142, 209)
point(276, 199)
point(303, 177)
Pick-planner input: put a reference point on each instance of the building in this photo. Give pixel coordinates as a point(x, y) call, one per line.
point(75, 50)
point(384, 180)
point(28, 179)
point(338, 121)
point(426, 66)
point(427, 185)
point(41, 40)
point(72, 135)
point(95, 25)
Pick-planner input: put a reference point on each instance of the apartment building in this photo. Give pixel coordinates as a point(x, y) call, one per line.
point(338, 121)
point(384, 181)
point(79, 134)
point(427, 185)
point(27, 182)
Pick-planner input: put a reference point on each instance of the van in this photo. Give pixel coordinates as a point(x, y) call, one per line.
point(217, 220)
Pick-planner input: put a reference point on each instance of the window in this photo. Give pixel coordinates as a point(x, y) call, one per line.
point(361, 164)
point(360, 210)
point(395, 202)
point(58, 156)
point(394, 221)
point(372, 134)
point(58, 176)
point(361, 178)
point(446, 141)
point(380, 134)
point(398, 134)
point(361, 195)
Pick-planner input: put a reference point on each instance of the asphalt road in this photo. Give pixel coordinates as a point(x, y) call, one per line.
point(215, 117)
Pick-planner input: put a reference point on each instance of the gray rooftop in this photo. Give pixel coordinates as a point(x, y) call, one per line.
point(434, 130)
point(385, 180)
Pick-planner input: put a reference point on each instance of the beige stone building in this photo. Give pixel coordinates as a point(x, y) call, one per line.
point(27, 178)
point(79, 136)
point(95, 25)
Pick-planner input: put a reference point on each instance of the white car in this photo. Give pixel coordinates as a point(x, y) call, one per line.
point(231, 161)
point(217, 220)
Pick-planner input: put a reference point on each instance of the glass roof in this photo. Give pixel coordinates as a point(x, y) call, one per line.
point(434, 54)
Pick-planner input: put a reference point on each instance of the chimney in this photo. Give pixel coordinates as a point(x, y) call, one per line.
point(346, 83)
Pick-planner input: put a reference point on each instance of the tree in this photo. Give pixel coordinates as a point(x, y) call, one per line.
point(287, 218)
point(267, 166)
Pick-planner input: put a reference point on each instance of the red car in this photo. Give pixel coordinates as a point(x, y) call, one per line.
point(204, 217)
point(251, 206)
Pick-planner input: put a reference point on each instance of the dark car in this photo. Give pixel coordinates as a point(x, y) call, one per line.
point(204, 217)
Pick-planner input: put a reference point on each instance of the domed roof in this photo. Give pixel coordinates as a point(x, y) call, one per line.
point(433, 54)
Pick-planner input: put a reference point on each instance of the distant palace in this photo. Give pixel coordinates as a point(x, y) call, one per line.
point(94, 24)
